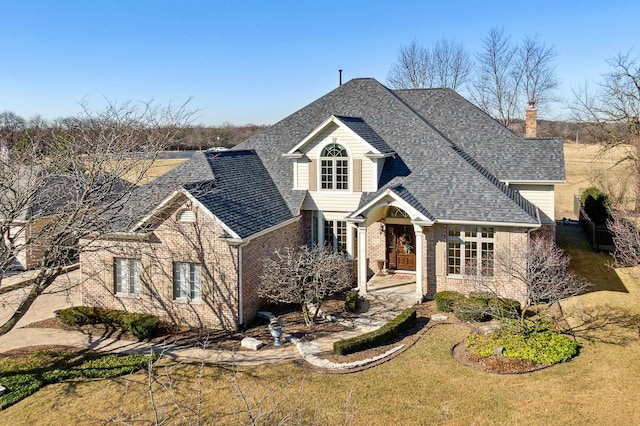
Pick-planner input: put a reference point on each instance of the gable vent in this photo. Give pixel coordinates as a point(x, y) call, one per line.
point(186, 216)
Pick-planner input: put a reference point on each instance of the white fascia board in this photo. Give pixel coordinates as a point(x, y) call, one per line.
point(374, 156)
point(173, 196)
point(534, 182)
point(321, 127)
point(482, 223)
point(293, 155)
point(211, 215)
point(416, 216)
point(242, 241)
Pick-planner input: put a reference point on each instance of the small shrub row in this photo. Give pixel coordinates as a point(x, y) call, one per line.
point(140, 325)
point(401, 323)
point(479, 306)
point(544, 347)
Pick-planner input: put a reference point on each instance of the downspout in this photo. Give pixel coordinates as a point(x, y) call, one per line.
point(537, 227)
point(240, 307)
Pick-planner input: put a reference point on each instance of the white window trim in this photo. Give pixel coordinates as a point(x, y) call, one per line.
point(462, 240)
point(348, 159)
point(188, 287)
point(129, 276)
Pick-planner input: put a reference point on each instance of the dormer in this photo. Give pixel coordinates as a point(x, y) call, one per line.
point(342, 154)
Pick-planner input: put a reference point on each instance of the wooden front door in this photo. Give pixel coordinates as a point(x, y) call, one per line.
point(401, 249)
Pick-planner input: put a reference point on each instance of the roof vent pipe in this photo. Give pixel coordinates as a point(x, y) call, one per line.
point(340, 74)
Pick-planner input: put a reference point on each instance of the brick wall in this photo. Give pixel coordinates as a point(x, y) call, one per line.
point(509, 242)
point(171, 241)
point(254, 254)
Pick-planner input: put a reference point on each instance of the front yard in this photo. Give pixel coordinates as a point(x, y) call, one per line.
point(423, 385)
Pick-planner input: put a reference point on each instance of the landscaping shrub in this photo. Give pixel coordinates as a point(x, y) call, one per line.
point(401, 323)
point(505, 308)
point(140, 325)
point(446, 299)
point(545, 347)
point(81, 315)
point(596, 204)
point(484, 295)
point(471, 309)
point(351, 301)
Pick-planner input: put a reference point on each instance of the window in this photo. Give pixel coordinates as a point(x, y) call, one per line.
point(186, 281)
point(126, 276)
point(470, 250)
point(335, 235)
point(334, 167)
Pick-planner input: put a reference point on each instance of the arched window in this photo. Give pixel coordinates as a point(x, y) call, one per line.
point(334, 167)
point(186, 215)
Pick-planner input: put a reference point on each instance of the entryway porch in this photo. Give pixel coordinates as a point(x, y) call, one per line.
point(400, 285)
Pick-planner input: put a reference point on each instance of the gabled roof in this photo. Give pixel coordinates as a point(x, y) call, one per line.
point(241, 194)
point(356, 126)
point(232, 185)
point(431, 170)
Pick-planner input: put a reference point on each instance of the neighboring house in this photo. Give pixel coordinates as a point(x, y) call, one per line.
point(36, 203)
point(419, 181)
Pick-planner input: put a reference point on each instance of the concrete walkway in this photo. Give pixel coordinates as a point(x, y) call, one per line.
point(66, 292)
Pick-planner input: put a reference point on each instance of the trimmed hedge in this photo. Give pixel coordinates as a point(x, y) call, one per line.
point(140, 325)
point(401, 323)
point(446, 299)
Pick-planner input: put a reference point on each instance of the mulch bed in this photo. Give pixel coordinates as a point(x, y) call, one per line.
point(216, 339)
point(294, 324)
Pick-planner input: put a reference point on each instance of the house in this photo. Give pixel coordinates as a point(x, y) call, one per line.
point(419, 181)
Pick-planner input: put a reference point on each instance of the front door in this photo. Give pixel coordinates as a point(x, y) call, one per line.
point(401, 249)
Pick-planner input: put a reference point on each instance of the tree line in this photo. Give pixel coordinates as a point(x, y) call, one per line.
point(15, 132)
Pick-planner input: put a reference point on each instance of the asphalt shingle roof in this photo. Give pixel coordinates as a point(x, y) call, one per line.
point(439, 173)
point(508, 156)
point(241, 194)
point(450, 161)
point(362, 129)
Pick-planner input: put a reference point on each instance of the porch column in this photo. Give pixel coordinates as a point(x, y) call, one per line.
point(362, 258)
point(419, 260)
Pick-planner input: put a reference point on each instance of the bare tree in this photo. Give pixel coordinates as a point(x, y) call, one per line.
point(451, 64)
point(543, 269)
point(67, 184)
point(539, 81)
point(445, 64)
point(413, 68)
point(506, 74)
point(626, 237)
point(498, 83)
point(612, 111)
point(304, 276)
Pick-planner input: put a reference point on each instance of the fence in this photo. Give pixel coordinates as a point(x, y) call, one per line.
point(599, 236)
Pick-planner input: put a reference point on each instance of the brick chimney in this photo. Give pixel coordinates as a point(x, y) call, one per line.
point(531, 122)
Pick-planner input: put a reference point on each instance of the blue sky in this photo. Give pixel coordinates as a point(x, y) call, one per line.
point(258, 61)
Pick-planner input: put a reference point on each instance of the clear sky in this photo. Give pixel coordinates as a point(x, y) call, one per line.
point(258, 61)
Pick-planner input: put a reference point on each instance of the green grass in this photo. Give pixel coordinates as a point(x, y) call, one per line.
point(23, 376)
